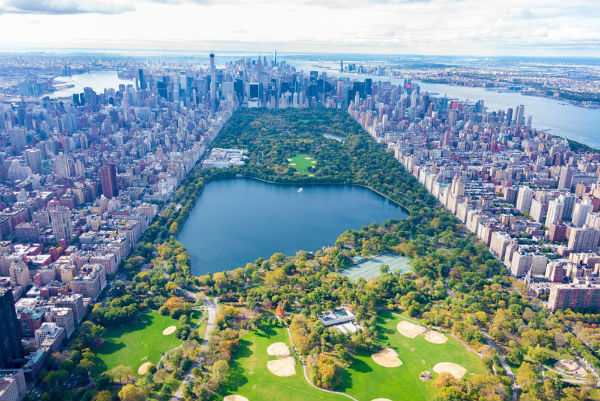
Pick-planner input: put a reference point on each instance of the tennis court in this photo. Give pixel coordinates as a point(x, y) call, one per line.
point(369, 268)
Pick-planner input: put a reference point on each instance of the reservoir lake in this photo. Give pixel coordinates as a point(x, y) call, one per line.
point(236, 221)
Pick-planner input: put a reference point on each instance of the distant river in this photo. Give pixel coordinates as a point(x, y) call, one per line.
point(97, 80)
point(237, 221)
point(559, 117)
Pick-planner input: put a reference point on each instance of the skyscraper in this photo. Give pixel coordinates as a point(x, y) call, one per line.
point(520, 115)
point(108, 178)
point(584, 239)
point(142, 79)
point(18, 138)
point(11, 349)
point(566, 178)
point(61, 166)
point(34, 159)
point(213, 82)
point(62, 226)
point(555, 212)
point(524, 199)
point(580, 213)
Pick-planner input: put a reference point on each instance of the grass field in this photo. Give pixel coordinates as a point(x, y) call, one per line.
point(363, 379)
point(301, 163)
point(138, 342)
point(366, 380)
point(370, 268)
point(252, 379)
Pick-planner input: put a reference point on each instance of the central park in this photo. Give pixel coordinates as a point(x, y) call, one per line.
point(431, 315)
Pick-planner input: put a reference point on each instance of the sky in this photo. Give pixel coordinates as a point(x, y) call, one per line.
point(435, 27)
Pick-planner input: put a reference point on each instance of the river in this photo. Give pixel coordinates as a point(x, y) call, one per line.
point(97, 80)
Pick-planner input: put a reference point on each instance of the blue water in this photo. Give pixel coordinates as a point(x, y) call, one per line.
point(239, 220)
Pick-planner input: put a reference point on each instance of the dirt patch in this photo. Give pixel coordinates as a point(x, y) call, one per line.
point(292, 164)
point(283, 366)
point(234, 397)
point(567, 365)
point(169, 330)
point(454, 369)
point(144, 367)
point(388, 358)
point(410, 330)
point(571, 367)
point(278, 349)
point(435, 337)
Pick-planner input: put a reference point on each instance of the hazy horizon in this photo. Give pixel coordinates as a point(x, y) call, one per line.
point(540, 28)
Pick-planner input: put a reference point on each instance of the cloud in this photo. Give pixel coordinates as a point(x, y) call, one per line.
point(61, 7)
point(409, 26)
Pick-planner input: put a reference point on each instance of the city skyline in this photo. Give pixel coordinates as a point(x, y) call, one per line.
point(436, 27)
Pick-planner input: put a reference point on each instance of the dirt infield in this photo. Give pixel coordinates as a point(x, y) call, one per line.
point(388, 358)
point(283, 366)
point(169, 330)
point(571, 367)
point(455, 370)
point(234, 397)
point(144, 367)
point(278, 349)
point(435, 337)
point(410, 330)
point(567, 364)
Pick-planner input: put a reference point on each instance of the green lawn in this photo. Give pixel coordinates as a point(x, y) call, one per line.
point(366, 380)
point(138, 342)
point(252, 379)
point(363, 379)
point(302, 163)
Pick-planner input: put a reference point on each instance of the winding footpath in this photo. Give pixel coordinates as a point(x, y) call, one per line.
point(212, 307)
point(304, 368)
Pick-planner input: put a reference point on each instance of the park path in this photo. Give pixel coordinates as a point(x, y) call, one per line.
point(212, 307)
point(195, 327)
point(304, 367)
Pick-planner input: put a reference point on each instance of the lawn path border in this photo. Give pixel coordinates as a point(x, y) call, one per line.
point(304, 367)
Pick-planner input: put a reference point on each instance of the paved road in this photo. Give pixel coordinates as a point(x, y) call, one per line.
point(211, 312)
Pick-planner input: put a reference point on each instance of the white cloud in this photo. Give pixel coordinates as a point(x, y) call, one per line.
point(368, 26)
point(58, 7)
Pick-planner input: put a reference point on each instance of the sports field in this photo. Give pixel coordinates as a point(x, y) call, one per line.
point(302, 162)
point(138, 342)
point(370, 268)
point(367, 380)
point(252, 379)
